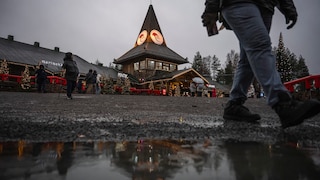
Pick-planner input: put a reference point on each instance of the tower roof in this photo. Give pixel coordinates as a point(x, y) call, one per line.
point(151, 43)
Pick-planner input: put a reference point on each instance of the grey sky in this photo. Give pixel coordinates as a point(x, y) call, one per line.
point(106, 29)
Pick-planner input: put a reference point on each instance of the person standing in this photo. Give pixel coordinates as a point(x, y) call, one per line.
point(251, 21)
point(98, 81)
point(89, 81)
point(41, 78)
point(71, 73)
point(193, 89)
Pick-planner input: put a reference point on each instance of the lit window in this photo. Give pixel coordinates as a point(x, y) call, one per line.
point(150, 64)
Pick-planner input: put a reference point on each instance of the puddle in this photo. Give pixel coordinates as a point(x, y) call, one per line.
point(157, 160)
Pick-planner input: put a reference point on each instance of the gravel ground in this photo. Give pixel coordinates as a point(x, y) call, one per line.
point(51, 117)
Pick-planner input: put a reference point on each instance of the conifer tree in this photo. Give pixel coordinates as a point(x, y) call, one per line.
point(229, 70)
point(201, 65)
point(283, 62)
point(215, 66)
point(301, 68)
point(206, 61)
point(197, 62)
point(220, 76)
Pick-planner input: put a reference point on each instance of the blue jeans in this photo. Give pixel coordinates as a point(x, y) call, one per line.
point(256, 58)
point(71, 85)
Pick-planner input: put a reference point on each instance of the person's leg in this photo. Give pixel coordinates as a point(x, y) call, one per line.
point(43, 87)
point(69, 88)
point(74, 84)
point(242, 79)
point(246, 21)
point(39, 87)
point(253, 32)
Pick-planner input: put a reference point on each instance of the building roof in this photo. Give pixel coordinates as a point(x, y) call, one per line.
point(151, 50)
point(26, 54)
point(185, 74)
point(148, 48)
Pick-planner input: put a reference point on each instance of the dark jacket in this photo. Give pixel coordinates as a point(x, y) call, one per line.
point(72, 70)
point(285, 6)
point(89, 78)
point(41, 75)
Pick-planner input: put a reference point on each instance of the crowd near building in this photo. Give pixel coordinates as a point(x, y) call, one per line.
point(150, 67)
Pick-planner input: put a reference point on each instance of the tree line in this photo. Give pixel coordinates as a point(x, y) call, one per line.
point(289, 66)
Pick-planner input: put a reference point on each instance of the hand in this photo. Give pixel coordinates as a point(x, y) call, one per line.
point(209, 18)
point(291, 21)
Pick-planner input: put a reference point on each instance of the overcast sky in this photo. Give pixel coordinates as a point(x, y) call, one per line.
point(106, 29)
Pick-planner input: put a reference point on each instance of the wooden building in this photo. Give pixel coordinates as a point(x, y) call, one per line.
point(152, 62)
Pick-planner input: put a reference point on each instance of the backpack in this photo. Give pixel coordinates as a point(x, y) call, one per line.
point(73, 68)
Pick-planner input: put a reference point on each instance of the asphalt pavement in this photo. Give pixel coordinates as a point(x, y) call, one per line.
point(51, 117)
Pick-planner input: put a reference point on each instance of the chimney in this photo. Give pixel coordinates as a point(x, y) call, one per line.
point(56, 49)
point(36, 44)
point(10, 37)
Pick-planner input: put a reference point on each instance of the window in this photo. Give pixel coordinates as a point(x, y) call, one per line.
point(166, 67)
point(173, 67)
point(150, 64)
point(142, 64)
point(159, 65)
point(136, 66)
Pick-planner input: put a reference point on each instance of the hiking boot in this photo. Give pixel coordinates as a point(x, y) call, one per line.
point(293, 112)
point(237, 112)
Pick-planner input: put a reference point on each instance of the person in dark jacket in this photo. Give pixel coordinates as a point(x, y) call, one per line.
point(71, 73)
point(41, 78)
point(251, 20)
point(89, 81)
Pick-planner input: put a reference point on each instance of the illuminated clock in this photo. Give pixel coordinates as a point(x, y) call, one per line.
point(156, 37)
point(142, 37)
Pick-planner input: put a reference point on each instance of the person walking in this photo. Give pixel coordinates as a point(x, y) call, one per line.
point(41, 78)
point(71, 73)
point(251, 21)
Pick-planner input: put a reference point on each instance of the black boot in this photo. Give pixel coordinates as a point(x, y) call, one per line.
point(235, 110)
point(293, 112)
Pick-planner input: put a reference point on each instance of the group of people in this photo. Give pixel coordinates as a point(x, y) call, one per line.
point(71, 71)
point(93, 80)
point(250, 20)
point(196, 89)
point(71, 74)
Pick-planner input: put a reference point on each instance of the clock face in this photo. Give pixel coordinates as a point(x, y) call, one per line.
point(142, 37)
point(156, 37)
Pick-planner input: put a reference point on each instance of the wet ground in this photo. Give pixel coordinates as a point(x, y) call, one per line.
point(148, 137)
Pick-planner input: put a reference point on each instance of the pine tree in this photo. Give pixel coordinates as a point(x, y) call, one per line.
point(197, 62)
point(206, 61)
point(220, 76)
point(229, 70)
point(301, 68)
point(233, 58)
point(201, 65)
point(215, 66)
point(283, 62)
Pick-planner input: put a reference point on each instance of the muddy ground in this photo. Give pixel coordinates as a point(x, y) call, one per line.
point(51, 117)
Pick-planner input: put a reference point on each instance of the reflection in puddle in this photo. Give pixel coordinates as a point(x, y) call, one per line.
point(157, 160)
